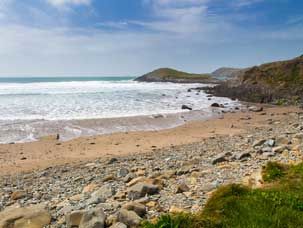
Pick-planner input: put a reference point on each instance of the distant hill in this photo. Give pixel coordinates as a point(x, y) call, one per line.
point(172, 75)
point(277, 82)
point(225, 73)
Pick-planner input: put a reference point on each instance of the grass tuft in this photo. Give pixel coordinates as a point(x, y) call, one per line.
point(279, 204)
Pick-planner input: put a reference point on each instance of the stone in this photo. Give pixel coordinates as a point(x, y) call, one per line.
point(112, 161)
point(141, 189)
point(280, 149)
point(103, 193)
point(259, 142)
point(215, 105)
point(118, 225)
point(282, 140)
point(129, 177)
point(185, 107)
point(129, 218)
point(174, 209)
point(270, 142)
point(220, 158)
point(242, 155)
point(122, 172)
point(74, 218)
point(18, 195)
point(89, 188)
point(255, 109)
point(139, 208)
point(94, 218)
point(182, 188)
point(27, 217)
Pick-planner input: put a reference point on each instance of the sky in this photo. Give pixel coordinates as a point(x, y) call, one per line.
point(132, 37)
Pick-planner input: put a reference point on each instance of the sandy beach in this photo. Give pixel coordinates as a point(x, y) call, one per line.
point(48, 151)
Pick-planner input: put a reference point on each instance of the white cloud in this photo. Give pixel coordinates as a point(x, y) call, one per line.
point(66, 3)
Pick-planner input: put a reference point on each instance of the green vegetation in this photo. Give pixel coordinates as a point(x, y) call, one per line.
point(167, 73)
point(171, 75)
point(278, 204)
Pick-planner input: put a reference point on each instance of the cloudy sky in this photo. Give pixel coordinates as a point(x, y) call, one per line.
point(131, 37)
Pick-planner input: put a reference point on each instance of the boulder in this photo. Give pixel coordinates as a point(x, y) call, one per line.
point(94, 218)
point(18, 195)
point(139, 208)
point(129, 218)
point(122, 172)
point(141, 189)
point(215, 105)
point(28, 217)
point(182, 188)
point(255, 109)
point(73, 219)
point(259, 142)
point(220, 158)
point(242, 155)
point(185, 107)
point(103, 193)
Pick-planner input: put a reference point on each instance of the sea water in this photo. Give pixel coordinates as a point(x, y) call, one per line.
point(31, 106)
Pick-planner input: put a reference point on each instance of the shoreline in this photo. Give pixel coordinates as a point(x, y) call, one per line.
point(48, 152)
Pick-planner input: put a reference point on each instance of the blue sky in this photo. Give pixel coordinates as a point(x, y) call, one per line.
point(131, 37)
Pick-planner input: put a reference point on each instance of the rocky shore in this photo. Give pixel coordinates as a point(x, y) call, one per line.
point(122, 191)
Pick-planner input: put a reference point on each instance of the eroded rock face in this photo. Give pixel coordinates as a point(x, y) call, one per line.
point(28, 217)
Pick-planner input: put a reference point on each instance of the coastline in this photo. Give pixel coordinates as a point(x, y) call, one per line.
point(47, 152)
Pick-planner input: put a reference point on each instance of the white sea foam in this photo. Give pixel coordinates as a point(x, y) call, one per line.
point(25, 105)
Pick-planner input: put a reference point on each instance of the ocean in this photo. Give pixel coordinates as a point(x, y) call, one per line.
point(31, 107)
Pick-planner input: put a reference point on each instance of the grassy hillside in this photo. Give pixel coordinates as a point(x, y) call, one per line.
point(171, 75)
point(278, 204)
point(276, 82)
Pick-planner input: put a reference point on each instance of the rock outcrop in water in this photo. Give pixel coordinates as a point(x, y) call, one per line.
point(171, 75)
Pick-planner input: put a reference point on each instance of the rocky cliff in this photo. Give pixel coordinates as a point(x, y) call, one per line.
point(277, 82)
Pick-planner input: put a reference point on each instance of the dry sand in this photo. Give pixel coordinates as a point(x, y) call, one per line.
point(15, 158)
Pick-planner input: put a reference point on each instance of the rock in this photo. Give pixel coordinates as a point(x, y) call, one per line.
point(215, 105)
point(89, 188)
point(129, 218)
point(282, 140)
point(269, 142)
point(118, 225)
point(73, 219)
point(129, 177)
point(242, 155)
point(139, 208)
point(186, 107)
point(105, 192)
point(122, 172)
point(255, 109)
point(175, 209)
point(141, 189)
point(27, 217)
point(94, 218)
point(182, 188)
point(18, 195)
point(279, 149)
point(112, 161)
point(220, 158)
point(101, 195)
point(259, 142)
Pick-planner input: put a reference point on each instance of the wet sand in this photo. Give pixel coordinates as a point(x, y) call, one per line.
point(47, 152)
